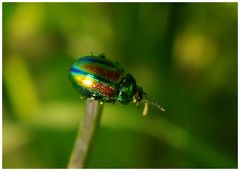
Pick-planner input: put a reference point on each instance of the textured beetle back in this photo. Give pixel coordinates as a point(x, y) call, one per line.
point(96, 77)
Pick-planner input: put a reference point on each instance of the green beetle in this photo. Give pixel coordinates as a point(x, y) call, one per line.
point(100, 79)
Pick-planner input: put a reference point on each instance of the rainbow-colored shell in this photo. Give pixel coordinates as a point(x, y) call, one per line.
point(101, 79)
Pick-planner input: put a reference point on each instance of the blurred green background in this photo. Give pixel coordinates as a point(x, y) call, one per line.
point(184, 55)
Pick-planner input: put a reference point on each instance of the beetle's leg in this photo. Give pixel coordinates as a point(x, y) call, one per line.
point(102, 55)
point(145, 110)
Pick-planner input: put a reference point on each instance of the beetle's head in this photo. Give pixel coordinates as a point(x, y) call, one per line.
point(138, 96)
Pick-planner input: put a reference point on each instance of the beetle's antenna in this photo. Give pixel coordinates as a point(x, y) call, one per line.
point(147, 102)
point(153, 104)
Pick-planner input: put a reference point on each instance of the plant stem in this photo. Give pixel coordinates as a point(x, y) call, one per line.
point(87, 129)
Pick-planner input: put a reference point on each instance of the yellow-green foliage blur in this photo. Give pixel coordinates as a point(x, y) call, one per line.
point(184, 55)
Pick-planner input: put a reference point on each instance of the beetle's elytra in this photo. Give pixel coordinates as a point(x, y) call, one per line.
point(100, 79)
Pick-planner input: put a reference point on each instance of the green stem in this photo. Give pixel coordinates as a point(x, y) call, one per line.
point(86, 133)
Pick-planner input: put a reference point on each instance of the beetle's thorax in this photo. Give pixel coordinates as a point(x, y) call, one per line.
point(127, 89)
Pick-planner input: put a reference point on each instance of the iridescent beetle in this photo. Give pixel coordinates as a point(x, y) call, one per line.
point(100, 79)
